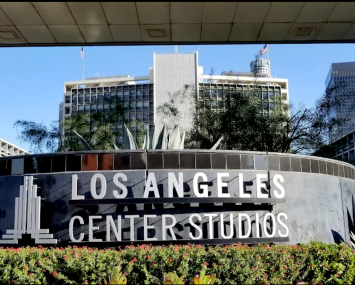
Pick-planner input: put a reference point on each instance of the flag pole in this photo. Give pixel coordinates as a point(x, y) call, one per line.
point(82, 58)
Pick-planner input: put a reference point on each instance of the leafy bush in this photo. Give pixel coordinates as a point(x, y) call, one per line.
point(145, 264)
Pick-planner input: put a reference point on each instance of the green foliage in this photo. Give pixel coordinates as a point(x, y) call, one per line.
point(39, 136)
point(171, 112)
point(241, 118)
point(241, 122)
point(351, 243)
point(313, 263)
point(97, 129)
point(138, 129)
point(202, 278)
point(117, 276)
point(173, 278)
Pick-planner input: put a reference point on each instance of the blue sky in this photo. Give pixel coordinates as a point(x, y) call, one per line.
point(32, 78)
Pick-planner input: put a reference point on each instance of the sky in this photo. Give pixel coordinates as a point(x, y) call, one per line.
point(32, 78)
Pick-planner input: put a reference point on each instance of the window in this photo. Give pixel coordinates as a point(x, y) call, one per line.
point(271, 94)
point(265, 95)
point(266, 106)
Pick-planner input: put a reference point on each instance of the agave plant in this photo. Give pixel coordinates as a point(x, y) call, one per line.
point(203, 279)
point(160, 139)
point(351, 243)
point(117, 277)
point(173, 278)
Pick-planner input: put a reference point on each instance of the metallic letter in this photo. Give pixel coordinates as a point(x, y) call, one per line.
point(240, 225)
point(221, 184)
point(273, 225)
point(151, 185)
point(259, 194)
point(278, 185)
point(120, 185)
point(117, 231)
point(165, 227)
point(131, 225)
point(282, 224)
point(146, 227)
point(74, 188)
point(195, 226)
point(241, 187)
point(210, 224)
point(204, 187)
point(231, 227)
point(179, 186)
point(92, 228)
point(103, 186)
point(71, 225)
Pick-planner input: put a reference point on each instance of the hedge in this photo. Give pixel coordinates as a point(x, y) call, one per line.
point(314, 262)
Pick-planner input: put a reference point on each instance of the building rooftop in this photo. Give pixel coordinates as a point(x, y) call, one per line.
point(9, 149)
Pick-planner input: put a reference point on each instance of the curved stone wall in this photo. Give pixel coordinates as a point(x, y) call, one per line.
point(318, 201)
point(158, 159)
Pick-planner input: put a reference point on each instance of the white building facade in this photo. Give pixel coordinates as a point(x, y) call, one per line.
point(8, 149)
point(170, 73)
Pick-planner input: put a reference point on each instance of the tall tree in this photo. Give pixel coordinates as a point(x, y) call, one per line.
point(98, 129)
point(244, 125)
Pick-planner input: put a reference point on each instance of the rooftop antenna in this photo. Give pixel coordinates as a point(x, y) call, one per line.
point(176, 49)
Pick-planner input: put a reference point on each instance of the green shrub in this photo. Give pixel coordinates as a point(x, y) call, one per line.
point(145, 264)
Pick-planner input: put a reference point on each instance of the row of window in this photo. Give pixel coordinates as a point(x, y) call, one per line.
point(105, 107)
point(267, 106)
point(102, 98)
point(112, 89)
point(220, 94)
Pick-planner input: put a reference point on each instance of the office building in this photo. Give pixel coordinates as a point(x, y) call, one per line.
point(8, 149)
point(342, 75)
point(270, 88)
point(345, 148)
point(170, 73)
